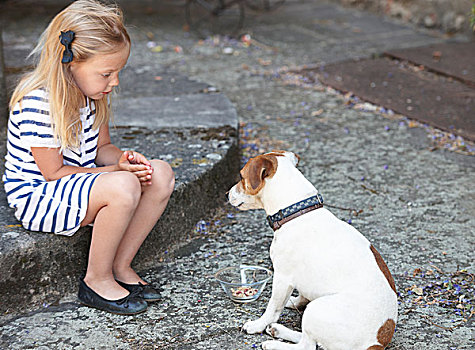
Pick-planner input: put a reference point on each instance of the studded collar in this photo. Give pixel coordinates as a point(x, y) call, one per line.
point(293, 211)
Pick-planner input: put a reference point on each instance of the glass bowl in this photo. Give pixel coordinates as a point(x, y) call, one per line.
point(243, 283)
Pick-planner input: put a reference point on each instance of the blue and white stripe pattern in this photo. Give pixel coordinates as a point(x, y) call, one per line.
point(49, 206)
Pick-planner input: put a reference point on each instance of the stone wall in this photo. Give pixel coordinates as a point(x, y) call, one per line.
point(450, 16)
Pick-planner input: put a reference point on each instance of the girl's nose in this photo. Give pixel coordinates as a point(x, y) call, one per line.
point(115, 80)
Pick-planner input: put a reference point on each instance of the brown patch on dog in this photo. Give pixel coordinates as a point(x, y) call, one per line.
point(256, 170)
point(385, 334)
point(384, 268)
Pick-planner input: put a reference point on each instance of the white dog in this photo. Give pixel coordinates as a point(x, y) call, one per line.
point(349, 293)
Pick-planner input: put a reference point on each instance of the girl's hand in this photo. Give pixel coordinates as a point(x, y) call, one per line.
point(145, 177)
point(137, 158)
point(136, 163)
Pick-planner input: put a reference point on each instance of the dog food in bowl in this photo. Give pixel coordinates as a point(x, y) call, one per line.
point(244, 283)
point(242, 292)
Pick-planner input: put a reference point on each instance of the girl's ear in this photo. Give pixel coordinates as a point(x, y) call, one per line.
point(71, 66)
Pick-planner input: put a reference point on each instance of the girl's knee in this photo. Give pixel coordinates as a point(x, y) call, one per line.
point(124, 188)
point(163, 178)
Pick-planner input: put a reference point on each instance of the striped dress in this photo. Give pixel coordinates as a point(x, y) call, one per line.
point(50, 206)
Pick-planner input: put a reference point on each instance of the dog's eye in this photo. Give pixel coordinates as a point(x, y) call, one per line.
point(240, 176)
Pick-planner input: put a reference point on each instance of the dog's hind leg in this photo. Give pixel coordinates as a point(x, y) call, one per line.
point(279, 331)
point(297, 303)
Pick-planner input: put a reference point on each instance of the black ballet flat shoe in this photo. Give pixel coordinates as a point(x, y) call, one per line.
point(129, 305)
point(147, 292)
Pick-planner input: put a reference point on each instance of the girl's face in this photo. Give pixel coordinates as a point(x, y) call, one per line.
point(96, 76)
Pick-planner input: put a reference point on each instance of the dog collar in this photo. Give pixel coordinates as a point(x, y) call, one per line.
point(295, 210)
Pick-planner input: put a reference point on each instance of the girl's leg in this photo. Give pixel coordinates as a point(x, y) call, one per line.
point(112, 203)
point(152, 203)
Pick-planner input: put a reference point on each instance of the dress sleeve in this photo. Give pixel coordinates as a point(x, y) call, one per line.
point(34, 121)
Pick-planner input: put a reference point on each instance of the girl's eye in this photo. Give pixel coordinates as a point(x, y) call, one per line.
point(106, 75)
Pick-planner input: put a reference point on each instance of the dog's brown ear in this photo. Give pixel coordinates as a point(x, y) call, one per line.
point(258, 169)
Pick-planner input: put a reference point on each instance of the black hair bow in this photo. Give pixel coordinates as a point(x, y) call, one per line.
point(66, 38)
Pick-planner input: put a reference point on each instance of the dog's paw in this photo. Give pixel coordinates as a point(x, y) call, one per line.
point(253, 327)
point(274, 330)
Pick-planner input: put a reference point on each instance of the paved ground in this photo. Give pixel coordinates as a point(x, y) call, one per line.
point(408, 88)
point(451, 59)
point(406, 186)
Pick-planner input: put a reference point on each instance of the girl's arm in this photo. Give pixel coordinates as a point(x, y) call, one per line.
point(50, 160)
point(107, 153)
point(50, 163)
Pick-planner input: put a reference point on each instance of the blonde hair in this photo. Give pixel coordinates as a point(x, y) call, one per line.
point(99, 29)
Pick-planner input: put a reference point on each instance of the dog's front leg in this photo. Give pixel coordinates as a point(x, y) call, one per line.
point(281, 291)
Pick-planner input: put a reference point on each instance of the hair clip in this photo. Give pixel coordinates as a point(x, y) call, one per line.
point(66, 38)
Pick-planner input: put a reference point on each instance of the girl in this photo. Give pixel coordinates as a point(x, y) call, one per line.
point(61, 170)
